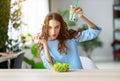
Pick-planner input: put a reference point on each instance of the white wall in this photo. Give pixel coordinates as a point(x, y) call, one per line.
point(100, 12)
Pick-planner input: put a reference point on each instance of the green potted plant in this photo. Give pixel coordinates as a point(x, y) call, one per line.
point(9, 18)
point(12, 19)
point(31, 62)
point(4, 22)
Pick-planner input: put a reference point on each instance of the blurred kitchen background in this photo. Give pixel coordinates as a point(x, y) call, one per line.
point(104, 13)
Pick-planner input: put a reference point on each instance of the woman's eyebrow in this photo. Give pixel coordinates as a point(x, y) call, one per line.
point(55, 26)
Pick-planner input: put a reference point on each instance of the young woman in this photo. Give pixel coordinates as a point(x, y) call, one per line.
point(59, 44)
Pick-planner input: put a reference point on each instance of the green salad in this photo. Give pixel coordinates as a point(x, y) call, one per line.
point(60, 67)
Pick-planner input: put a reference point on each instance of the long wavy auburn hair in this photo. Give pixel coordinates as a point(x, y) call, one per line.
point(64, 33)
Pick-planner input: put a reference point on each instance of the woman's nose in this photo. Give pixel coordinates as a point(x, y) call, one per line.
point(53, 31)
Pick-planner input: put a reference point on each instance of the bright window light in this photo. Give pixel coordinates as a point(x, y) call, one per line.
point(34, 12)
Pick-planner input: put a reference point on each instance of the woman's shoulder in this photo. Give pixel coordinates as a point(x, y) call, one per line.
point(71, 41)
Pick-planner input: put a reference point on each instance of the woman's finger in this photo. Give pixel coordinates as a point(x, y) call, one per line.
point(76, 9)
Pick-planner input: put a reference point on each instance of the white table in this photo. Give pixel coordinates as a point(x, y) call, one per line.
point(10, 56)
point(49, 75)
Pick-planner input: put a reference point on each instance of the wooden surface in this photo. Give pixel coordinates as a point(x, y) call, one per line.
point(5, 57)
point(49, 75)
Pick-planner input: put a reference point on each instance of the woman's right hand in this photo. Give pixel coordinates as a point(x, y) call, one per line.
point(42, 40)
point(38, 39)
point(78, 11)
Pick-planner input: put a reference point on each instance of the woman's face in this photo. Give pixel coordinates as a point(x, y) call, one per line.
point(54, 29)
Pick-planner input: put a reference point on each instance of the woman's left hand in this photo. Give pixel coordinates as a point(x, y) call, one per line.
point(78, 11)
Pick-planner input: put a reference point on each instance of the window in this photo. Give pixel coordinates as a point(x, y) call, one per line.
point(34, 12)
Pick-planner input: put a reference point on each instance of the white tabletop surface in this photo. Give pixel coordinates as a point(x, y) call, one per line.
point(50, 75)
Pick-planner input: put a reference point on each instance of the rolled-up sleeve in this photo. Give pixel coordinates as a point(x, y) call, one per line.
point(88, 34)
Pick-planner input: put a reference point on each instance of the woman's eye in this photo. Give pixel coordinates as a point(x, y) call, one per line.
point(50, 27)
point(57, 27)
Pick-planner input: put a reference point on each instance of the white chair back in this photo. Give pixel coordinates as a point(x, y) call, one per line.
point(87, 63)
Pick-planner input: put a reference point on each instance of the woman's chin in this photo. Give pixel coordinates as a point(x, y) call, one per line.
point(52, 38)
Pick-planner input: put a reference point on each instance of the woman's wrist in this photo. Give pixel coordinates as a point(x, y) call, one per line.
point(88, 22)
point(82, 17)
